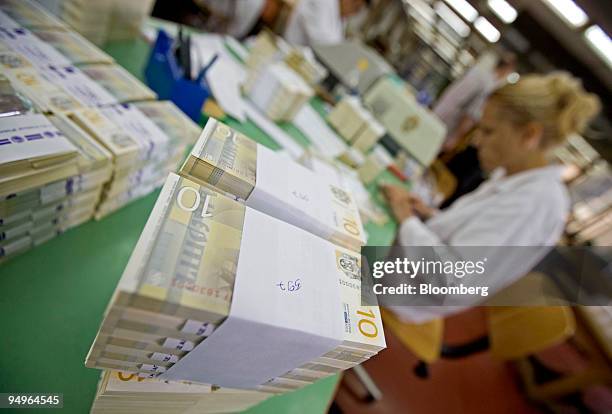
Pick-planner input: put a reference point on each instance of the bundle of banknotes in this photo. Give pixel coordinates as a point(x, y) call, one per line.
point(355, 124)
point(266, 48)
point(273, 184)
point(88, 17)
point(52, 179)
point(45, 96)
point(119, 83)
point(75, 47)
point(31, 14)
point(126, 393)
point(178, 288)
point(106, 154)
point(142, 152)
point(306, 66)
point(277, 91)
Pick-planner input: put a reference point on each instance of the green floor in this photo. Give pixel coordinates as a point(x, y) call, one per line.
point(52, 298)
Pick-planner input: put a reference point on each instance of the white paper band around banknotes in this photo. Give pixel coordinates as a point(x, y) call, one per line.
point(234, 164)
point(259, 339)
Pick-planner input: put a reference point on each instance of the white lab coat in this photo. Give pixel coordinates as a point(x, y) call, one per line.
point(244, 14)
point(524, 209)
point(315, 22)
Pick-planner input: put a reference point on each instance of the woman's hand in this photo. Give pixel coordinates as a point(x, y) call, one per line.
point(405, 204)
point(420, 208)
point(399, 202)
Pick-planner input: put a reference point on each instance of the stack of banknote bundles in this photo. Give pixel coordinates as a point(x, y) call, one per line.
point(89, 17)
point(170, 119)
point(31, 14)
point(48, 183)
point(119, 83)
point(124, 392)
point(231, 162)
point(356, 124)
point(142, 153)
point(277, 91)
point(188, 268)
point(75, 47)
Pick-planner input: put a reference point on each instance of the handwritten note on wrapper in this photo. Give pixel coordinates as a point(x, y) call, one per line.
point(270, 330)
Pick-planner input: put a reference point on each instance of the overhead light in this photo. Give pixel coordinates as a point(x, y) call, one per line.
point(513, 77)
point(487, 29)
point(569, 11)
point(600, 42)
point(452, 19)
point(464, 8)
point(503, 10)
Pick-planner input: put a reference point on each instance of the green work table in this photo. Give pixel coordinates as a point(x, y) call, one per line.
point(52, 297)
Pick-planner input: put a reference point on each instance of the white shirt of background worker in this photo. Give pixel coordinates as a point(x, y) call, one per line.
point(524, 203)
point(315, 22)
point(460, 106)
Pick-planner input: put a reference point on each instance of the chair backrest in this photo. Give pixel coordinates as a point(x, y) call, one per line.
point(424, 340)
point(516, 332)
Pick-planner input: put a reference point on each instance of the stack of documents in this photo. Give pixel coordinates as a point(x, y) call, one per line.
point(356, 124)
point(231, 162)
point(52, 177)
point(277, 91)
point(119, 83)
point(201, 252)
point(124, 392)
point(75, 47)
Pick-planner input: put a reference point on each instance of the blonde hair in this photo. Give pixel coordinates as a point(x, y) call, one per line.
point(556, 101)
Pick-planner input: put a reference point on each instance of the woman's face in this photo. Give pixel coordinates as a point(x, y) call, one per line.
point(498, 141)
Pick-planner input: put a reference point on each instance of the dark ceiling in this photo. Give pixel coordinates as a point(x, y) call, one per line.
point(600, 12)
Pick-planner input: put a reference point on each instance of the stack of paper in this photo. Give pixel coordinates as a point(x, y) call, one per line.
point(119, 83)
point(277, 91)
point(356, 124)
point(76, 48)
point(124, 392)
point(142, 153)
point(174, 296)
point(231, 162)
point(52, 176)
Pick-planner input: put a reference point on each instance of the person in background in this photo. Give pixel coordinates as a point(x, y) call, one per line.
point(320, 21)
point(524, 202)
point(460, 105)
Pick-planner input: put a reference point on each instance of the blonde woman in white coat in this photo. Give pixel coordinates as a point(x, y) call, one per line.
point(524, 202)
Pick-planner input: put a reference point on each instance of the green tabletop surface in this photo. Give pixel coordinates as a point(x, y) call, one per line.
point(53, 297)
